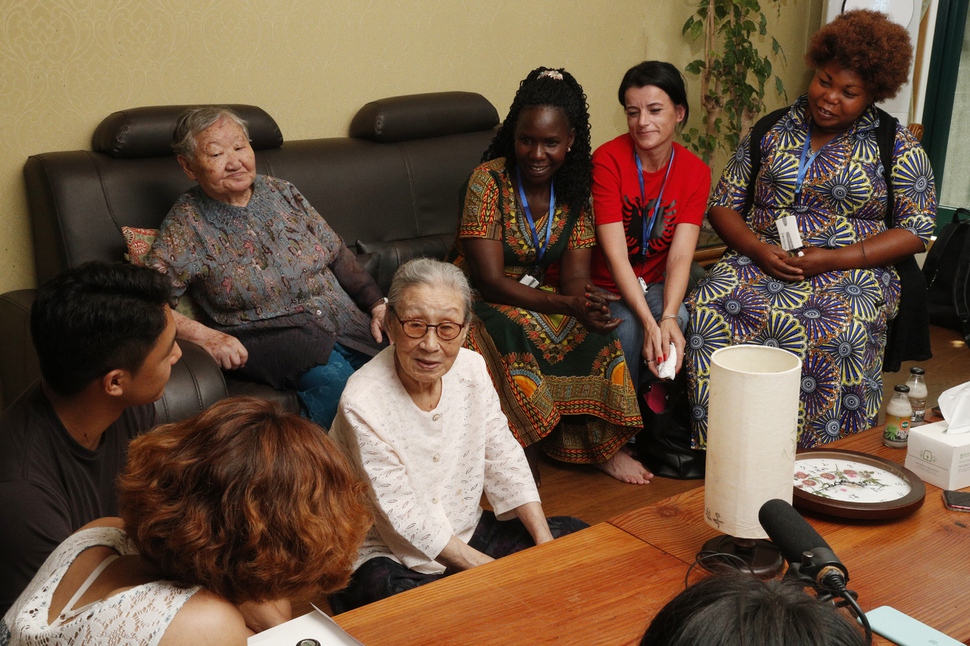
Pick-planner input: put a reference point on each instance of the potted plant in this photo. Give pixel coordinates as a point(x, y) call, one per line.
point(733, 71)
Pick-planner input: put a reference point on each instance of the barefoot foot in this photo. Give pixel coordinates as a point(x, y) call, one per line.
point(625, 468)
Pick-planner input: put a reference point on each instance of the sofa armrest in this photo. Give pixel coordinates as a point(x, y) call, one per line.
point(18, 363)
point(196, 383)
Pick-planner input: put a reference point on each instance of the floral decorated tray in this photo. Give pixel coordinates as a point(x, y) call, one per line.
point(849, 484)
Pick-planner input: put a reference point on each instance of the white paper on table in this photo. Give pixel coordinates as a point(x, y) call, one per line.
point(313, 625)
point(955, 407)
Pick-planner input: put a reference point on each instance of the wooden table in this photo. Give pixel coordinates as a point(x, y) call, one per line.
point(919, 564)
point(597, 586)
point(603, 585)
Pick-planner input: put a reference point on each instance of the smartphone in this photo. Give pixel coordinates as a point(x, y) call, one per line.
point(904, 630)
point(956, 500)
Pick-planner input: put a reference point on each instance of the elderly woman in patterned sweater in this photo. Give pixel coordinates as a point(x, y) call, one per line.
point(288, 303)
point(422, 422)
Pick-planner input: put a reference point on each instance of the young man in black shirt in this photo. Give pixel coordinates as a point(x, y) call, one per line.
point(105, 340)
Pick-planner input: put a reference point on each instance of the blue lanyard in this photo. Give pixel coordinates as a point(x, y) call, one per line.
point(645, 239)
point(540, 250)
point(804, 162)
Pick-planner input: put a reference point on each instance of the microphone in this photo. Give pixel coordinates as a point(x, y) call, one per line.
point(809, 557)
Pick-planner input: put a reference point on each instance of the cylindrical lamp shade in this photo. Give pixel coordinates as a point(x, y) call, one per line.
point(751, 435)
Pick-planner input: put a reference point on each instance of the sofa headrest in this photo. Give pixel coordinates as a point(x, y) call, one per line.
point(147, 132)
point(420, 116)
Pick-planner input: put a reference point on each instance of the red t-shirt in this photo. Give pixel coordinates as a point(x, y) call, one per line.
point(617, 198)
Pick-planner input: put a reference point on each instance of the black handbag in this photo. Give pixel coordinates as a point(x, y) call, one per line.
point(663, 446)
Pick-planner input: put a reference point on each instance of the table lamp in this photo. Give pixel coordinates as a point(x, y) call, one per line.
point(751, 441)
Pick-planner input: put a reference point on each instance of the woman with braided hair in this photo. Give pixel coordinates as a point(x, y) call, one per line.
point(525, 239)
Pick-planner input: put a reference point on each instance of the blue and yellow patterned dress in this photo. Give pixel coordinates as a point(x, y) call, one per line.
point(836, 321)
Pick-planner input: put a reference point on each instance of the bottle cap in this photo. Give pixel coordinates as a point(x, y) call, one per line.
point(916, 370)
point(901, 388)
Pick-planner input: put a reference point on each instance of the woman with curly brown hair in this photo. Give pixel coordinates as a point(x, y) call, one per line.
point(829, 296)
point(225, 517)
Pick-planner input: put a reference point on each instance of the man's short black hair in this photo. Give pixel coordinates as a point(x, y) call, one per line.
point(95, 318)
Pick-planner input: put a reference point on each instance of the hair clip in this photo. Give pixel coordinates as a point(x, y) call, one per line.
point(552, 74)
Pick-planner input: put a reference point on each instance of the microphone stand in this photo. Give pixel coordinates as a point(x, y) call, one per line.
point(828, 582)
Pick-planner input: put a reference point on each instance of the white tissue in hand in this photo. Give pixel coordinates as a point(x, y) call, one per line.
point(955, 407)
point(668, 369)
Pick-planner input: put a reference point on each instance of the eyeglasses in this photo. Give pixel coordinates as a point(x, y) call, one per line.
point(416, 329)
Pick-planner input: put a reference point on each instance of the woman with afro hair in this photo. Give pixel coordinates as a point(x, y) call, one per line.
point(829, 302)
point(525, 239)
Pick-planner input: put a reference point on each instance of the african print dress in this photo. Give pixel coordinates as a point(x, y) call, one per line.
point(555, 379)
point(836, 321)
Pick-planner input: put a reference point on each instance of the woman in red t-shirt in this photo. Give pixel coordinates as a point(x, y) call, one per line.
point(649, 197)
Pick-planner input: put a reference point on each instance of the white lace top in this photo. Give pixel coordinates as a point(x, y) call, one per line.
point(136, 616)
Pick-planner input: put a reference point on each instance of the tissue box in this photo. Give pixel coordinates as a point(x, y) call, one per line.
point(939, 458)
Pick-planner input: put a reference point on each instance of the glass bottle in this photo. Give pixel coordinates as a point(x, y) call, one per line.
point(917, 393)
point(898, 416)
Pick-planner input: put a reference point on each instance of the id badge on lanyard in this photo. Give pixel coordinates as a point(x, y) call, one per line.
point(652, 228)
point(532, 277)
point(788, 235)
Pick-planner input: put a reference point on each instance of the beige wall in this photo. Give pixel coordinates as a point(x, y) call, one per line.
point(65, 64)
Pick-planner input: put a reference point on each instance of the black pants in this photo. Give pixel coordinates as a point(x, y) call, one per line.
point(382, 577)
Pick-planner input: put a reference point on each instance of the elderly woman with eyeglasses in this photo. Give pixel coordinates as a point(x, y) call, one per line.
point(423, 424)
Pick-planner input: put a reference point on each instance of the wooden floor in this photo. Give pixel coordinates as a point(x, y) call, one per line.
point(593, 496)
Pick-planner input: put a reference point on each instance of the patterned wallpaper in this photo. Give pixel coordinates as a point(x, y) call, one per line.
point(66, 64)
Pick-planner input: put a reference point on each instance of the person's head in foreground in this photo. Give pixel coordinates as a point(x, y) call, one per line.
point(736, 609)
point(859, 58)
point(246, 501)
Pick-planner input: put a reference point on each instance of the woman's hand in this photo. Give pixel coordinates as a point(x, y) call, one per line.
point(671, 333)
point(775, 261)
point(593, 310)
point(653, 347)
point(814, 261)
point(535, 522)
point(458, 556)
point(227, 350)
point(377, 314)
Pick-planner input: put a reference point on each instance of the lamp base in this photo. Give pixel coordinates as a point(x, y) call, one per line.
point(760, 557)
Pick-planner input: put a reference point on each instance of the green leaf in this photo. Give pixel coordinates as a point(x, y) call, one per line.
point(697, 29)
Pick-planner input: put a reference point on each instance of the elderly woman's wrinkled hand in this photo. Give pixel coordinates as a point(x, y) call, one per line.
point(227, 350)
point(377, 314)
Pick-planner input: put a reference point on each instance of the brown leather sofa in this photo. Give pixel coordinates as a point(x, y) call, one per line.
point(391, 189)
